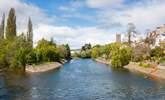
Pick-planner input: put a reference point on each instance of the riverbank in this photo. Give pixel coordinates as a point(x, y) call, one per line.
point(43, 67)
point(108, 62)
point(152, 72)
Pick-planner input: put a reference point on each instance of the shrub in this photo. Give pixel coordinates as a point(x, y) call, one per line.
point(121, 57)
point(95, 52)
point(32, 58)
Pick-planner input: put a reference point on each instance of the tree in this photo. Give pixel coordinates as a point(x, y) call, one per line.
point(46, 51)
point(131, 31)
point(62, 51)
point(157, 54)
point(20, 58)
point(86, 47)
point(121, 57)
point(2, 26)
point(86, 51)
point(140, 52)
point(11, 25)
point(95, 52)
point(32, 57)
point(68, 51)
point(30, 32)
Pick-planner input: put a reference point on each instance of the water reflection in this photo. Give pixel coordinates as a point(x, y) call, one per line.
point(81, 79)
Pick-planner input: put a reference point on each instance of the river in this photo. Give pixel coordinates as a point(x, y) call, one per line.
point(81, 79)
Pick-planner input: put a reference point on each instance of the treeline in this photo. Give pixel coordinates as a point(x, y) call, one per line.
point(17, 51)
point(85, 52)
point(121, 54)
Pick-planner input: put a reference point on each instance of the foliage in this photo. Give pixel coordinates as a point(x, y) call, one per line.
point(85, 54)
point(76, 55)
point(9, 49)
point(20, 58)
point(85, 51)
point(68, 53)
point(30, 33)
point(86, 47)
point(120, 54)
point(2, 27)
point(32, 57)
point(140, 52)
point(145, 65)
point(95, 52)
point(157, 52)
point(47, 51)
point(121, 57)
point(17, 51)
point(11, 25)
point(62, 51)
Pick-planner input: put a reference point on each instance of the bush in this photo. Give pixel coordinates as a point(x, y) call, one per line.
point(85, 54)
point(145, 65)
point(32, 58)
point(95, 52)
point(64, 51)
point(20, 58)
point(46, 51)
point(121, 57)
point(157, 52)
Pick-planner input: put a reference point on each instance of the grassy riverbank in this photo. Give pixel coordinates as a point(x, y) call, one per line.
point(153, 72)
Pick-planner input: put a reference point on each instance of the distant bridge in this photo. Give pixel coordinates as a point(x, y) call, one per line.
point(75, 50)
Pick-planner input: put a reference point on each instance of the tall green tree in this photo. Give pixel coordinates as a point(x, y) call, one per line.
point(2, 26)
point(11, 25)
point(68, 51)
point(30, 32)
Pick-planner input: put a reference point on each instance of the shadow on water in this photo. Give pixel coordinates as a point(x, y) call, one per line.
point(80, 79)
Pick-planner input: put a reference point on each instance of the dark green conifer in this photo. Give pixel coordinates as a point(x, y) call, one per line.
point(30, 32)
point(2, 26)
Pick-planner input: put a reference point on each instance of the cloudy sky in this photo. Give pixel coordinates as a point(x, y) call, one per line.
point(85, 21)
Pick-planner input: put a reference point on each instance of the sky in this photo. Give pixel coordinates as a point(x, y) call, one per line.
point(77, 22)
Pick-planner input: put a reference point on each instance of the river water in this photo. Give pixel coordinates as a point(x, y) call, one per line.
point(81, 79)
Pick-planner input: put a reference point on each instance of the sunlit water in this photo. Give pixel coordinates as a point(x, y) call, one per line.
point(82, 79)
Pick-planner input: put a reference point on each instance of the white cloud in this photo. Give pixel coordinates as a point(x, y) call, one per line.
point(72, 6)
point(103, 3)
point(146, 15)
point(23, 12)
point(76, 37)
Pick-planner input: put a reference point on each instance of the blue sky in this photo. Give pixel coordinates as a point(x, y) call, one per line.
point(68, 11)
point(85, 21)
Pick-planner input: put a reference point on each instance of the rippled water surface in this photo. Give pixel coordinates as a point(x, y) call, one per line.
point(82, 79)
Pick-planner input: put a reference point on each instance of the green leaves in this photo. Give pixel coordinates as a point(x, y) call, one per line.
point(47, 51)
point(120, 54)
point(11, 25)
